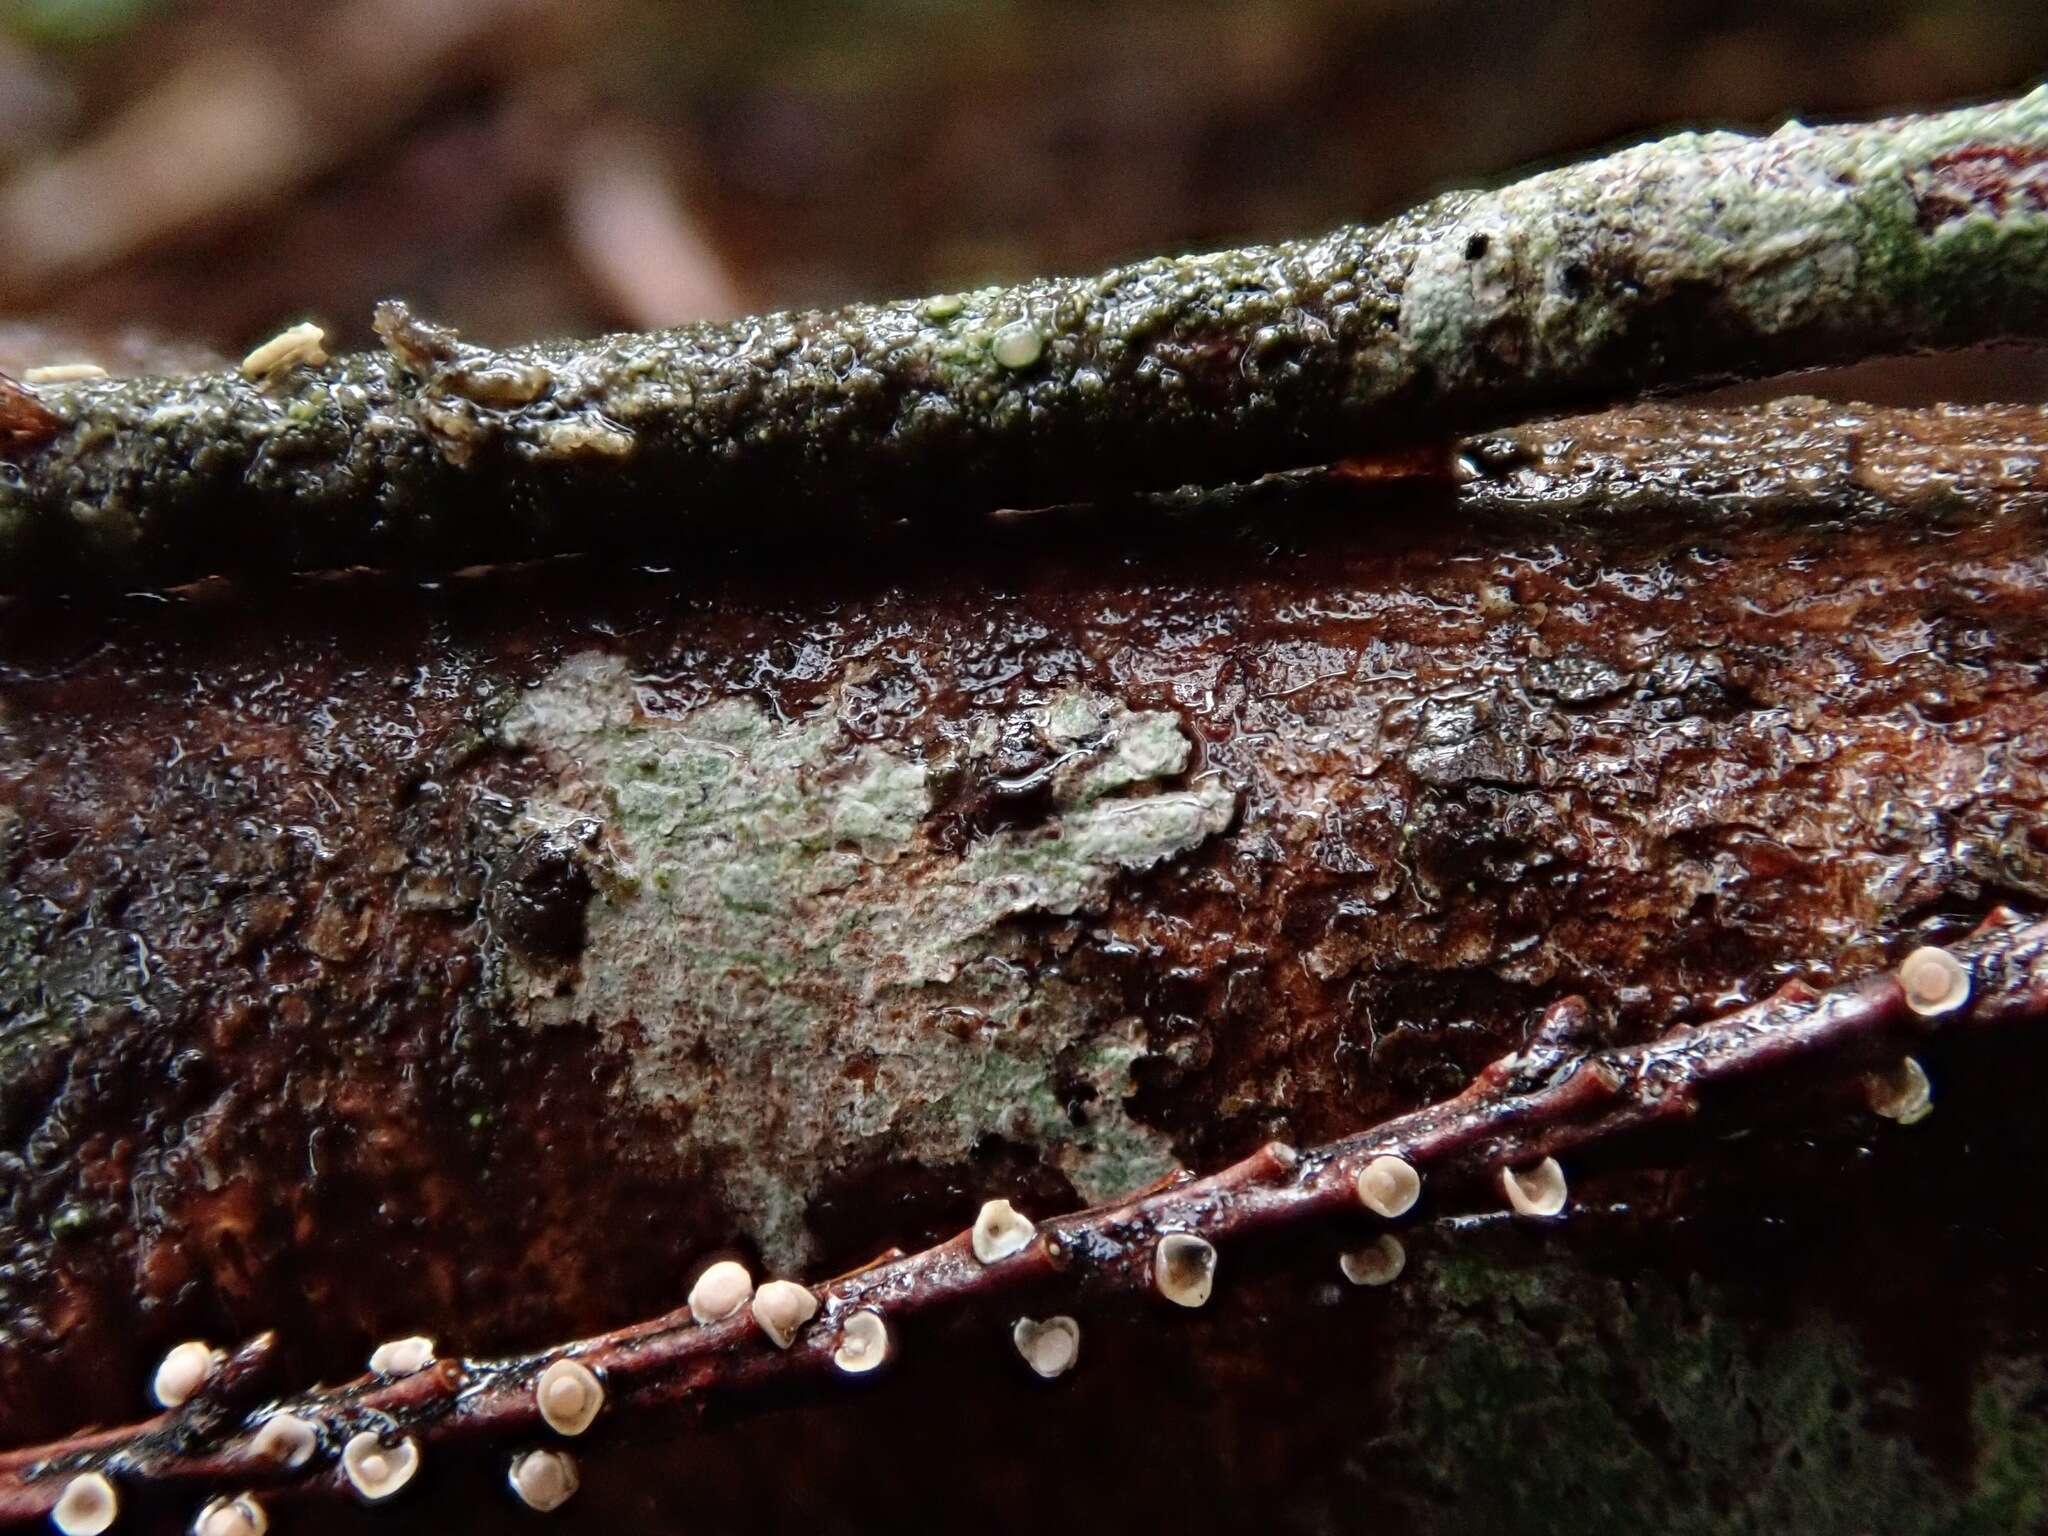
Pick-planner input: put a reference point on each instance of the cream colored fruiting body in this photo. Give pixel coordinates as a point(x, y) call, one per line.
point(1901, 1093)
point(1051, 1347)
point(1537, 1190)
point(781, 1307)
point(87, 1506)
point(378, 1471)
point(1389, 1187)
point(183, 1371)
point(402, 1357)
point(1000, 1229)
point(1377, 1263)
point(284, 1440)
point(301, 344)
point(569, 1396)
point(720, 1291)
point(240, 1515)
point(1935, 981)
point(64, 373)
point(1184, 1268)
point(863, 1343)
point(543, 1480)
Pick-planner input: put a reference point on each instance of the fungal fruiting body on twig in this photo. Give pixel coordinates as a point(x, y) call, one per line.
point(1467, 313)
point(1378, 1263)
point(568, 1395)
point(1050, 1347)
point(1505, 1125)
point(378, 1471)
point(183, 1371)
point(1000, 1230)
point(240, 1515)
point(402, 1357)
point(1389, 1187)
point(863, 1343)
point(86, 1507)
point(1184, 1268)
point(284, 1440)
point(301, 345)
point(1537, 1190)
point(781, 1307)
point(1935, 982)
point(720, 1291)
point(1901, 1093)
point(543, 1480)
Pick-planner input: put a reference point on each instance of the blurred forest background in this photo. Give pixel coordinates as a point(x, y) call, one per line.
point(179, 177)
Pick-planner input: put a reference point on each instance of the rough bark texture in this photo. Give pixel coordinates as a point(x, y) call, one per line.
point(1698, 257)
point(481, 959)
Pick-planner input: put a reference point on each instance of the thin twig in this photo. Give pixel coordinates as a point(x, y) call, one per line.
point(1699, 257)
point(1552, 1098)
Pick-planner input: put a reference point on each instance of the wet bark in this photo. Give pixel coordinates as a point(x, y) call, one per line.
point(480, 959)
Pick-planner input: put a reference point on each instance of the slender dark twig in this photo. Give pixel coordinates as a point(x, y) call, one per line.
point(1699, 257)
point(1552, 1098)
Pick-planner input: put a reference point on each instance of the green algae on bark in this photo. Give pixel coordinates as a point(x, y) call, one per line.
point(1694, 258)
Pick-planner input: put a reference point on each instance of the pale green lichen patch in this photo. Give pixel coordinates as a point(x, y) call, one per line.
point(1823, 229)
point(801, 970)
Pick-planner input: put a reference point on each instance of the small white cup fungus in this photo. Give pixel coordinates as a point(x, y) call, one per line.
point(375, 1470)
point(720, 1291)
point(1537, 1190)
point(1001, 1230)
point(402, 1357)
point(543, 1480)
point(1050, 1347)
point(1377, 1263)
point(87, 1506)
point(1389, 1187)
point(183, 1371)
point(863, 1343)
point(238, 1516)
point(781, 1307)
point(284, 1440)
point(568, 1395)
point(1935, 981)
point(1902, 1094)
point(1184, 1268)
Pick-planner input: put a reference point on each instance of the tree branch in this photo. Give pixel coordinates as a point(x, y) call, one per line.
point(1699, 257)
point(1552, 1098)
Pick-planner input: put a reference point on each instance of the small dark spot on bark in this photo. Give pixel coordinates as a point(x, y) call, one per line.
point(1575, 281)
point(537, 902)
point(1475, 247)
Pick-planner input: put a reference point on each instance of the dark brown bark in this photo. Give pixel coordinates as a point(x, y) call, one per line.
point(345, 997)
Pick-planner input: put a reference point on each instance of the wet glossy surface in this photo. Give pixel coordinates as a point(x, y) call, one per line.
point(269, 890)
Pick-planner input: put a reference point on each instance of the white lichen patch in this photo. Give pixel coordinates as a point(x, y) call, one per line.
point(806, 978)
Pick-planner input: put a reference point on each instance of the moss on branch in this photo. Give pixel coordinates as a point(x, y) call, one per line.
point(1695, 258)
